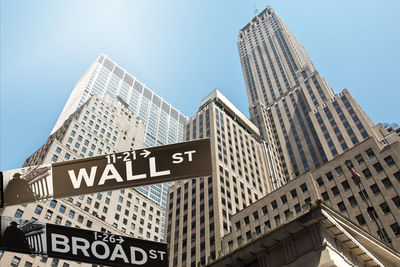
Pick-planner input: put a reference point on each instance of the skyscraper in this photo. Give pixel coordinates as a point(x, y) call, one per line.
point(304, 123)
point(198, 210)
point(163, 123)
point(96, 128)
point(310, 131)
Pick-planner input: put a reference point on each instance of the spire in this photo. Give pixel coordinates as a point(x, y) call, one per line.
point(256, 10)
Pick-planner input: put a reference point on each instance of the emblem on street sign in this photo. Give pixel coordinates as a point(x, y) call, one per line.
point(109, 172)
point(32, 237)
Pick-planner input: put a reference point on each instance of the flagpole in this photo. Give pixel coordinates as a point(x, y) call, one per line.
point(370, 209)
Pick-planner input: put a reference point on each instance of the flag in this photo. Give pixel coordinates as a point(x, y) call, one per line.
point(354, 174)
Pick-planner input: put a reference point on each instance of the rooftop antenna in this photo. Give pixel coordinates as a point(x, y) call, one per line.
point(256, 10)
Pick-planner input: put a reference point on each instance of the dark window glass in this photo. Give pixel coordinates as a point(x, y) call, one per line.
point(345, 185)
point(378, 167)
point(360, 219)
point(293, 193)
point(352, 201)
point(389, 160)
point(375, 189)
point(396, 201)
point(341, 206)
point(335, 190)
point(384, 207)
point(325, 196)
point(387, 183)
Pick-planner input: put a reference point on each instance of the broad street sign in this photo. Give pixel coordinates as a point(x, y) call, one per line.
point(109, 172)
point(32, 237)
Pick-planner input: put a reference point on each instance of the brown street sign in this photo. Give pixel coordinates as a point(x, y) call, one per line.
point(33, 237)
point(108, 172)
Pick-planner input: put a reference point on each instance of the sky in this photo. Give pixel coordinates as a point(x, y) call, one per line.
point(182, 50)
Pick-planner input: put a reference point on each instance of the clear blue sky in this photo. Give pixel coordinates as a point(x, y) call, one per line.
point(182, 50)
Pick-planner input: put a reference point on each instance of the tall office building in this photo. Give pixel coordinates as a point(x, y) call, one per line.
point(304, 123)
point(163, 123)
point(373, 204)
point(97, 127)
point(198, 210)
point(311, 131)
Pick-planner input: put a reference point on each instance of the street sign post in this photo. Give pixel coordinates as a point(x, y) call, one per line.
point(108, 172)
point(32, 237)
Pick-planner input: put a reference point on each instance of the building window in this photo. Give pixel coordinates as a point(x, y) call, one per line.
point(339, 171)
point(15, 261)
point(53, 203)
point(38, 209)
point(375, 189)
point(352, 201)
point(329, 176)
point(370, 153)
point(396, 201)
point(335, 190)
point(325, 196)
point(359, 159)
point(265, 210)
point(387, 183)
point(49, 214)
point(54, 262)
point(397, 175)
point(395, 228)
point(274, 204)
point(378, 167)
point(384, 207)
point(367, 173)
point(71, 214)
point(345, 185)
point(303, 187)
point(54, 158)
point(255, 215)
point(62, 209)
point(389, 161)
point(18, 213)
point(283, 199)
point(58, 220)
point(320, 181)
point(341, 206)
point(360, 219)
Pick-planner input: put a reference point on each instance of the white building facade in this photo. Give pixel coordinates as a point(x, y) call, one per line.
point(163, 123)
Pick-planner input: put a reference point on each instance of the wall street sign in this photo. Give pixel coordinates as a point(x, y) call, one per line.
point(32, 237)
point(109, 172)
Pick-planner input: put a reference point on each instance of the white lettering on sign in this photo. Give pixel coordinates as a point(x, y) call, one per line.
point(105, 247)
point(153, 254)
point(76, 182)
point(107, 176)
point(119, 253)
point(145, 153)
point(153, 169)
point(101, 250)
point(178, 157)
point(133, 255)
point(83, 247)
point(129, 175)
point(111, 173)
point(58, 241)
